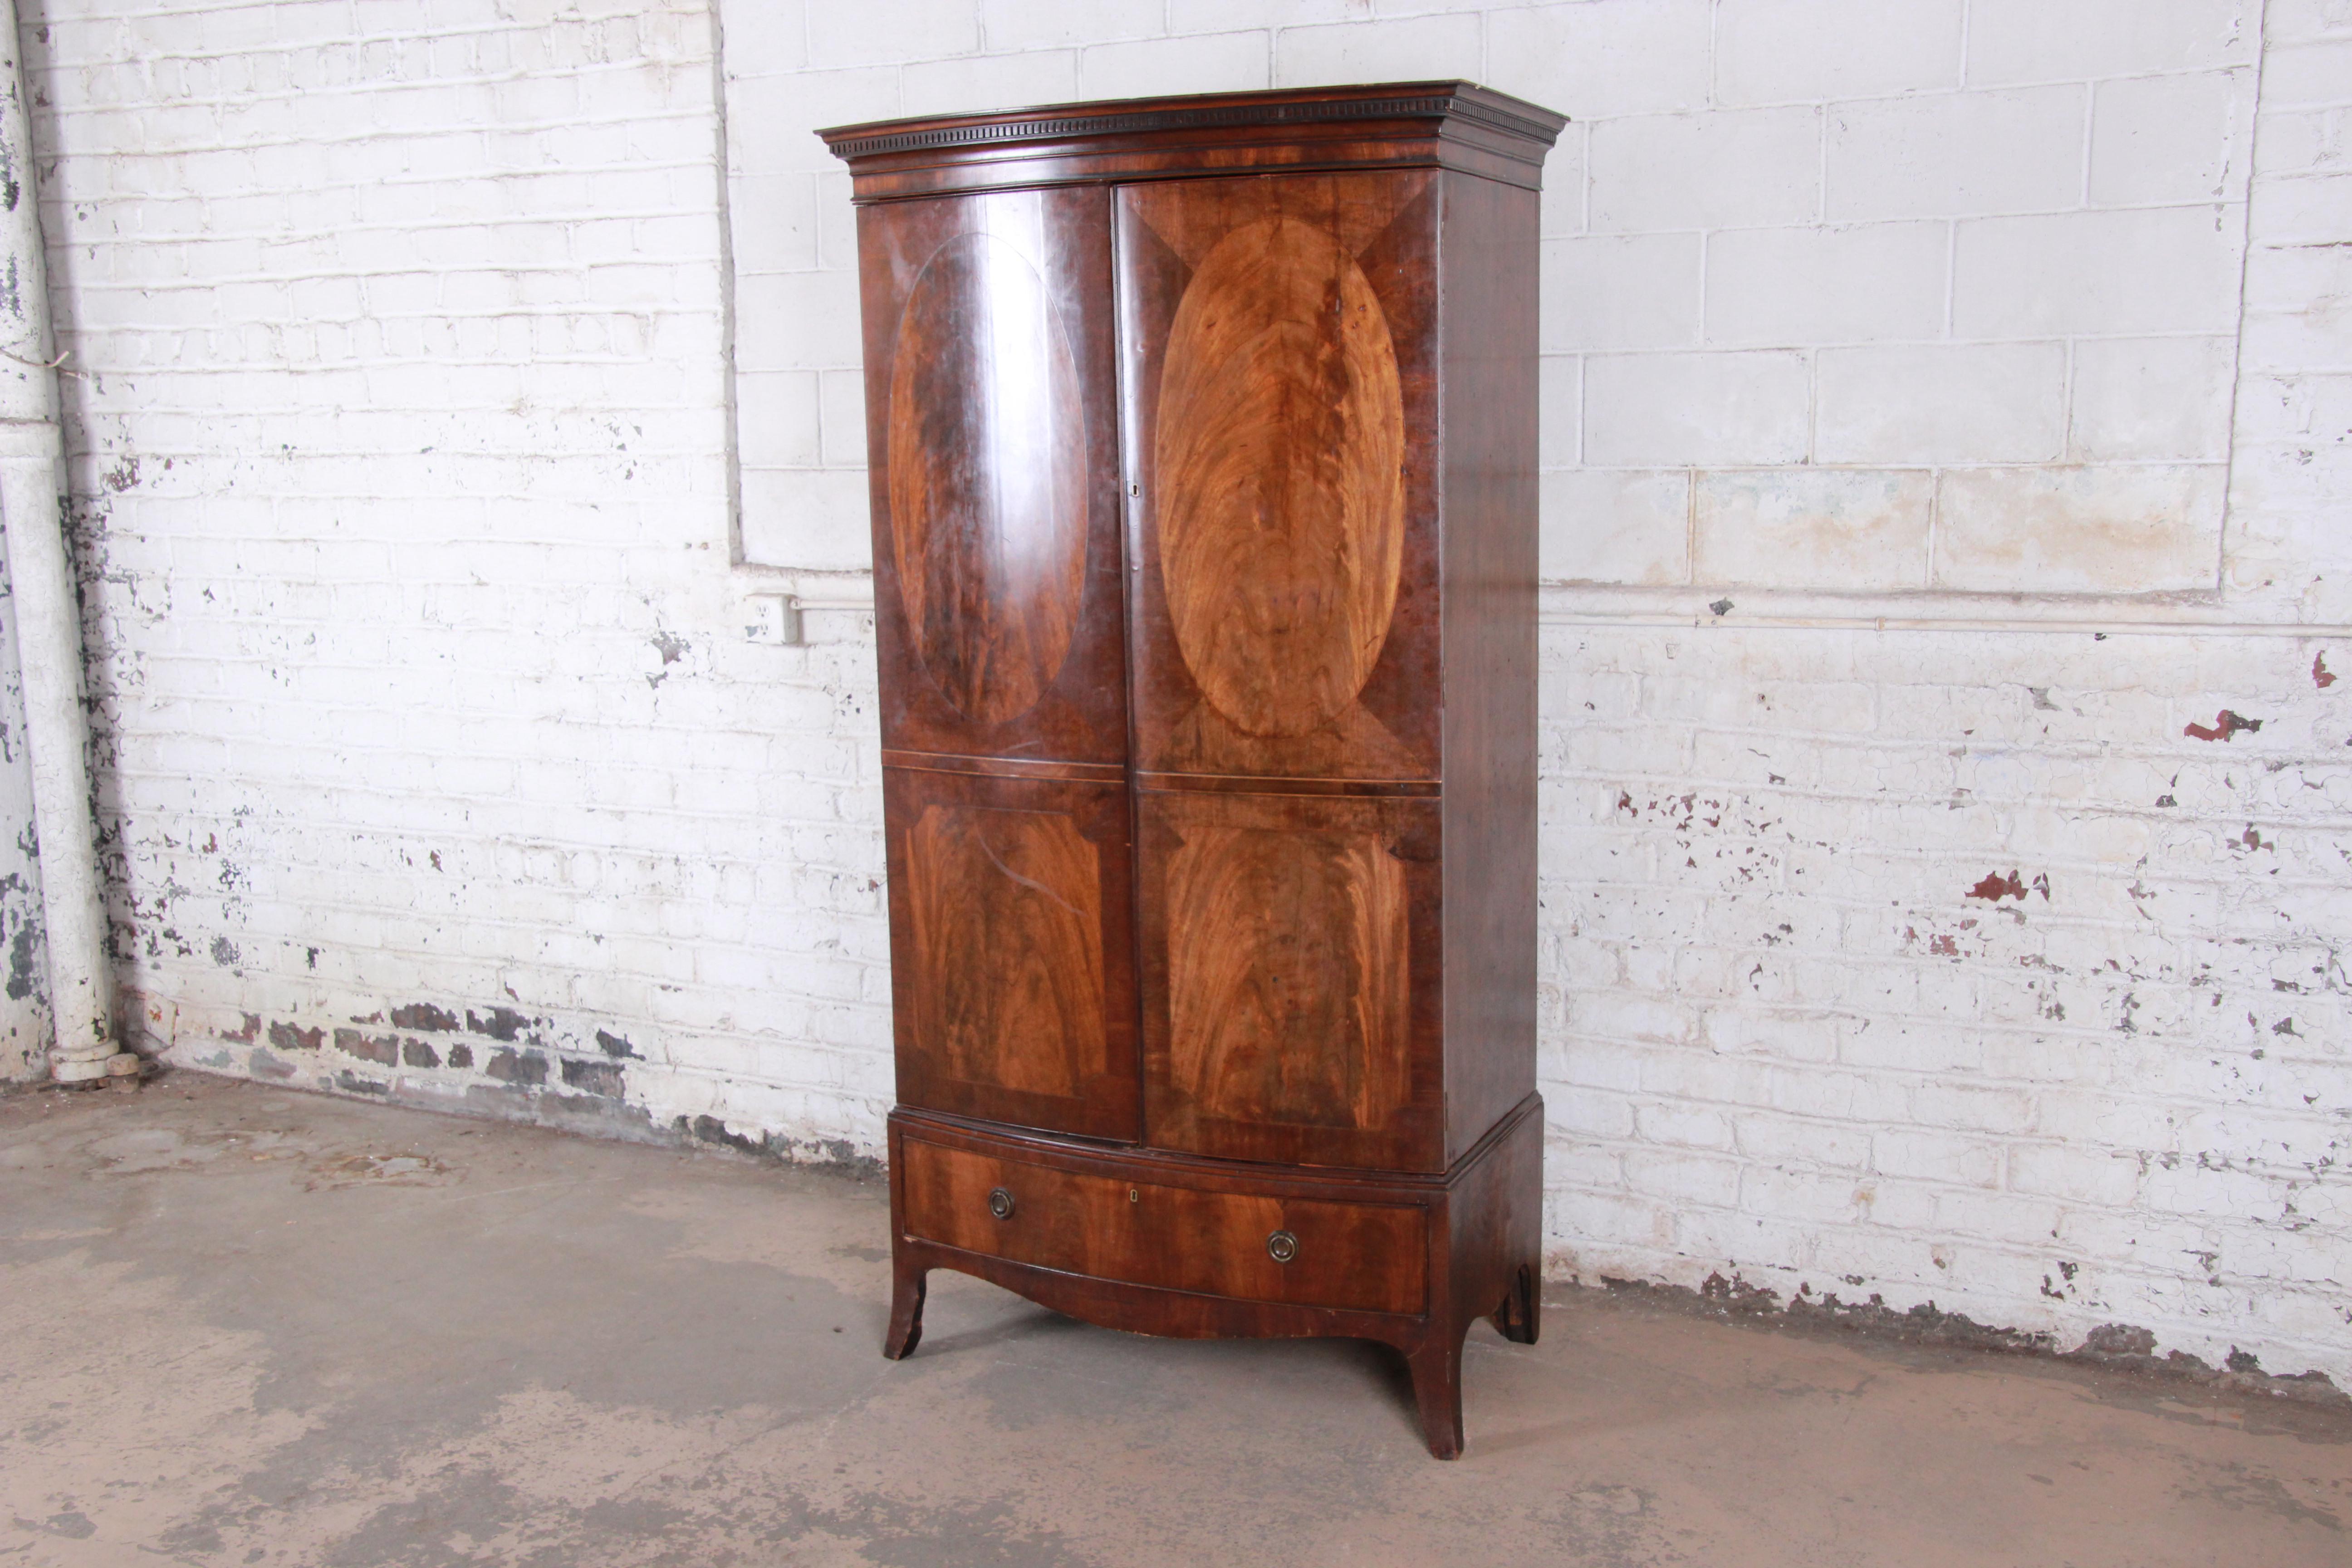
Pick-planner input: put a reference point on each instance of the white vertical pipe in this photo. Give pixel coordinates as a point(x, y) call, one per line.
point(49, 617)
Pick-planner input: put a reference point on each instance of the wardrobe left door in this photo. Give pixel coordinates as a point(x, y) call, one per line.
point(993, 441)
point(992, 435)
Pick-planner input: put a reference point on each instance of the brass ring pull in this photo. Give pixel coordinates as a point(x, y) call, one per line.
point(1000, 1202)
point(1282, 1247)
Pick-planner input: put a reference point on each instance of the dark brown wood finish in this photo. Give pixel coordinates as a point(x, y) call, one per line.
point(1488, 441)
point(1466, 1245)
point(1112, 1223)
point(1421, 124)
point(1203, 435)
point(992, 427)
point(1011, 971)
point(1003, 767)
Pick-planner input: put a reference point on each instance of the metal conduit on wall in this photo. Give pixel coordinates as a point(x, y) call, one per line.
point(48, 613)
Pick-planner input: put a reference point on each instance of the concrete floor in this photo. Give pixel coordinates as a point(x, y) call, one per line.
point(239, 1325)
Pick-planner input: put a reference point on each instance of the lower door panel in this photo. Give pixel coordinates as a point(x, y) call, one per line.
point(1292, 993)
point(1012, 974)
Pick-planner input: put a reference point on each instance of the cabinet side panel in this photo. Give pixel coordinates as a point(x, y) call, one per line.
point(1486, 271)
point(992, 440)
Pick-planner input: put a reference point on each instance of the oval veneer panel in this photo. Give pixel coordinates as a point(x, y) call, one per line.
point(1280, 454)
point(987, 477)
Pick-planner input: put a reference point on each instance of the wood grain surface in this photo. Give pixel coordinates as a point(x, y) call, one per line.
point(1277, 342)
point(1280, 489)
point(992, 440)
point(987, 463)
point(1463, 1246)
point(1285, 1015)
point(1205, 543)
point(1119, 1224)
point(1392, 125)
point(1011, 974)
point(1488, 264)
point(1008, 946)
point(1287, 975)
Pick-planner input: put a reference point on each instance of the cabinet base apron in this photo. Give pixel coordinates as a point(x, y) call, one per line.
point(1155, 1243)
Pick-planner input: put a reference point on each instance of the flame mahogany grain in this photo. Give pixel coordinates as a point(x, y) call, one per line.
point(1287, 941)
point(991, 419)
point(1204, 445)
point(1279, 469)
point(1467, 1245)
point(987, 466)
point(1278, 341)
point(1122, 1222)
point(1011, 974)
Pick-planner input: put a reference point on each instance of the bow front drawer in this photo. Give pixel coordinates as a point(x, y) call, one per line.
point(1122, 1221)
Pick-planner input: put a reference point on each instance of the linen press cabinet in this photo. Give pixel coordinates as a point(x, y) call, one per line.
point(1203, 435)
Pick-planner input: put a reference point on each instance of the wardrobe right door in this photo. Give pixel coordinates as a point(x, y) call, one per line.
point(1279, 402)
point(1276, 353)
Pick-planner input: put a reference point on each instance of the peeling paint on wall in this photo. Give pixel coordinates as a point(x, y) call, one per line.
point(2225, 726)
point(1808, 1011)
point(24, 997)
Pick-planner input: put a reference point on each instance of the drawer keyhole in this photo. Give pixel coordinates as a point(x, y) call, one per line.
point(1000, 1202)
point(1282, 1247)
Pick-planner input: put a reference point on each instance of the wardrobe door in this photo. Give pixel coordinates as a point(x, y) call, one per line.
point(998, 604)
point(1277, 340)
point(1291, 1005)
point(994, 458)
point(1011, 970)
point(1277, 346)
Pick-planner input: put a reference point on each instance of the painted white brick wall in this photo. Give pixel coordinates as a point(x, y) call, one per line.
point(2291, 480)
point(1943, 962)
point(1927, 243)
point(1950, 966)
point(429, 734)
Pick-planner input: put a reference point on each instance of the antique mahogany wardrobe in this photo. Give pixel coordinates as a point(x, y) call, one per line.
point(1203, 448)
